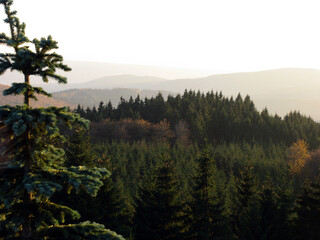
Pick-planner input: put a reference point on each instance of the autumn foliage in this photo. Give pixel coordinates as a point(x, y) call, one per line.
point(298, 155)
point(130, 130)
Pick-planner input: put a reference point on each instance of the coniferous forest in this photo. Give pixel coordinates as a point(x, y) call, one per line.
point(205, 166)
point(194, 166)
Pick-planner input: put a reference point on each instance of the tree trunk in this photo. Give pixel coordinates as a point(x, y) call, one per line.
point(26, 95)
point(27, 229)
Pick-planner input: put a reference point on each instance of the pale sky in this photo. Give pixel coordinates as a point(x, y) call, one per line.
point(224, 35)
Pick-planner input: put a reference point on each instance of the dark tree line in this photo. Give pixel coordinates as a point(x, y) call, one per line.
point(214, 117)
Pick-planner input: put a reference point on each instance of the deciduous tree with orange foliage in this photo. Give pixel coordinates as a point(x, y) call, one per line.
point(298, 155)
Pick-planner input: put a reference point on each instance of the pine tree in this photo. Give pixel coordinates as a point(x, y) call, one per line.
point(79, 150)
point(110, 207)
point(113, 208)
point(261, 212)
point(145, 219)
point(35, 171)
point(159, 212)
point(275, 208)
point(208, 220)
point(246, 210)
point(308, 222)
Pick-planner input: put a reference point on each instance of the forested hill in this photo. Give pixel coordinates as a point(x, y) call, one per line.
point(280, 90)
point(212, 116)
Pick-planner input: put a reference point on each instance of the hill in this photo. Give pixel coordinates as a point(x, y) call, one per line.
point(43, 101)
point(83, 71)
point(117, 81)
point(91, 97)
point(279, 81)
point(280, 90)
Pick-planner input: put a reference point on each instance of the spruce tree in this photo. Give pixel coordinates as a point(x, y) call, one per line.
point(160, 212)
point(35, 171)
point(308, 222)
point(261, 212)
point(145, 219)
point(207, 213)
point(246, 210)
point(112, 208)
point(275, 208)
point(79, 151)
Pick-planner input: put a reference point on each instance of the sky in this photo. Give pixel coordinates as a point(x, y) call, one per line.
point(223, 36)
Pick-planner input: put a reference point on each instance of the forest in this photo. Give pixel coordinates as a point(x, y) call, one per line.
point(204, 166)
point(195, 166)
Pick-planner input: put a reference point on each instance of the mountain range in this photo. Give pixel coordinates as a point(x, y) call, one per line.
point(85, 97)
point(84, 71)
point(92, 97)
point(280, 90)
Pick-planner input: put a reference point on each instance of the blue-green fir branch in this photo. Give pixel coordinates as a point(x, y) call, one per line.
point(11, 190)
point(44, 183)
point(48, 155)
point(3, 38)
point(22, 88)
point(39, 186)
point(18, 118)
point(60, 211)
point(79, 177)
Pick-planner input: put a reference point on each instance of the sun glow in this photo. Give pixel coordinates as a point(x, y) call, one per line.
point(226, 35)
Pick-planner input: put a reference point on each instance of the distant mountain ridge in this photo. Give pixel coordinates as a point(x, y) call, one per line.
point(84, 71)
point(91, 97)
point(84, 97)
point(249, 82)
point(117, 81)
point(280, 90)
point(43, 101)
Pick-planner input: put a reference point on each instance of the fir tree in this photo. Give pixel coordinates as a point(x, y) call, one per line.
point(145, 219)
point(246, 210)
point(261, 212)
point(112, 208)
point(275, 213)
point(308, 222)
point(159, 212)
point(35, 171)
point(208, 220)
point(79, 150)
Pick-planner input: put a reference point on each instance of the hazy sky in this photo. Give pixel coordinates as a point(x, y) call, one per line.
point(223, 35)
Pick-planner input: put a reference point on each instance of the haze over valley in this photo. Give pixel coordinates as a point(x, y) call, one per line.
point(280, 90)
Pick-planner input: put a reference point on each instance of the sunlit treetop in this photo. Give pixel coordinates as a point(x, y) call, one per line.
point(31, 58)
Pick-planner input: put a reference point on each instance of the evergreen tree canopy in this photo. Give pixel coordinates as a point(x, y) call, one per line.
point(208, 219)
point(159, 212)
point(308, 212)
point(215, 117)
